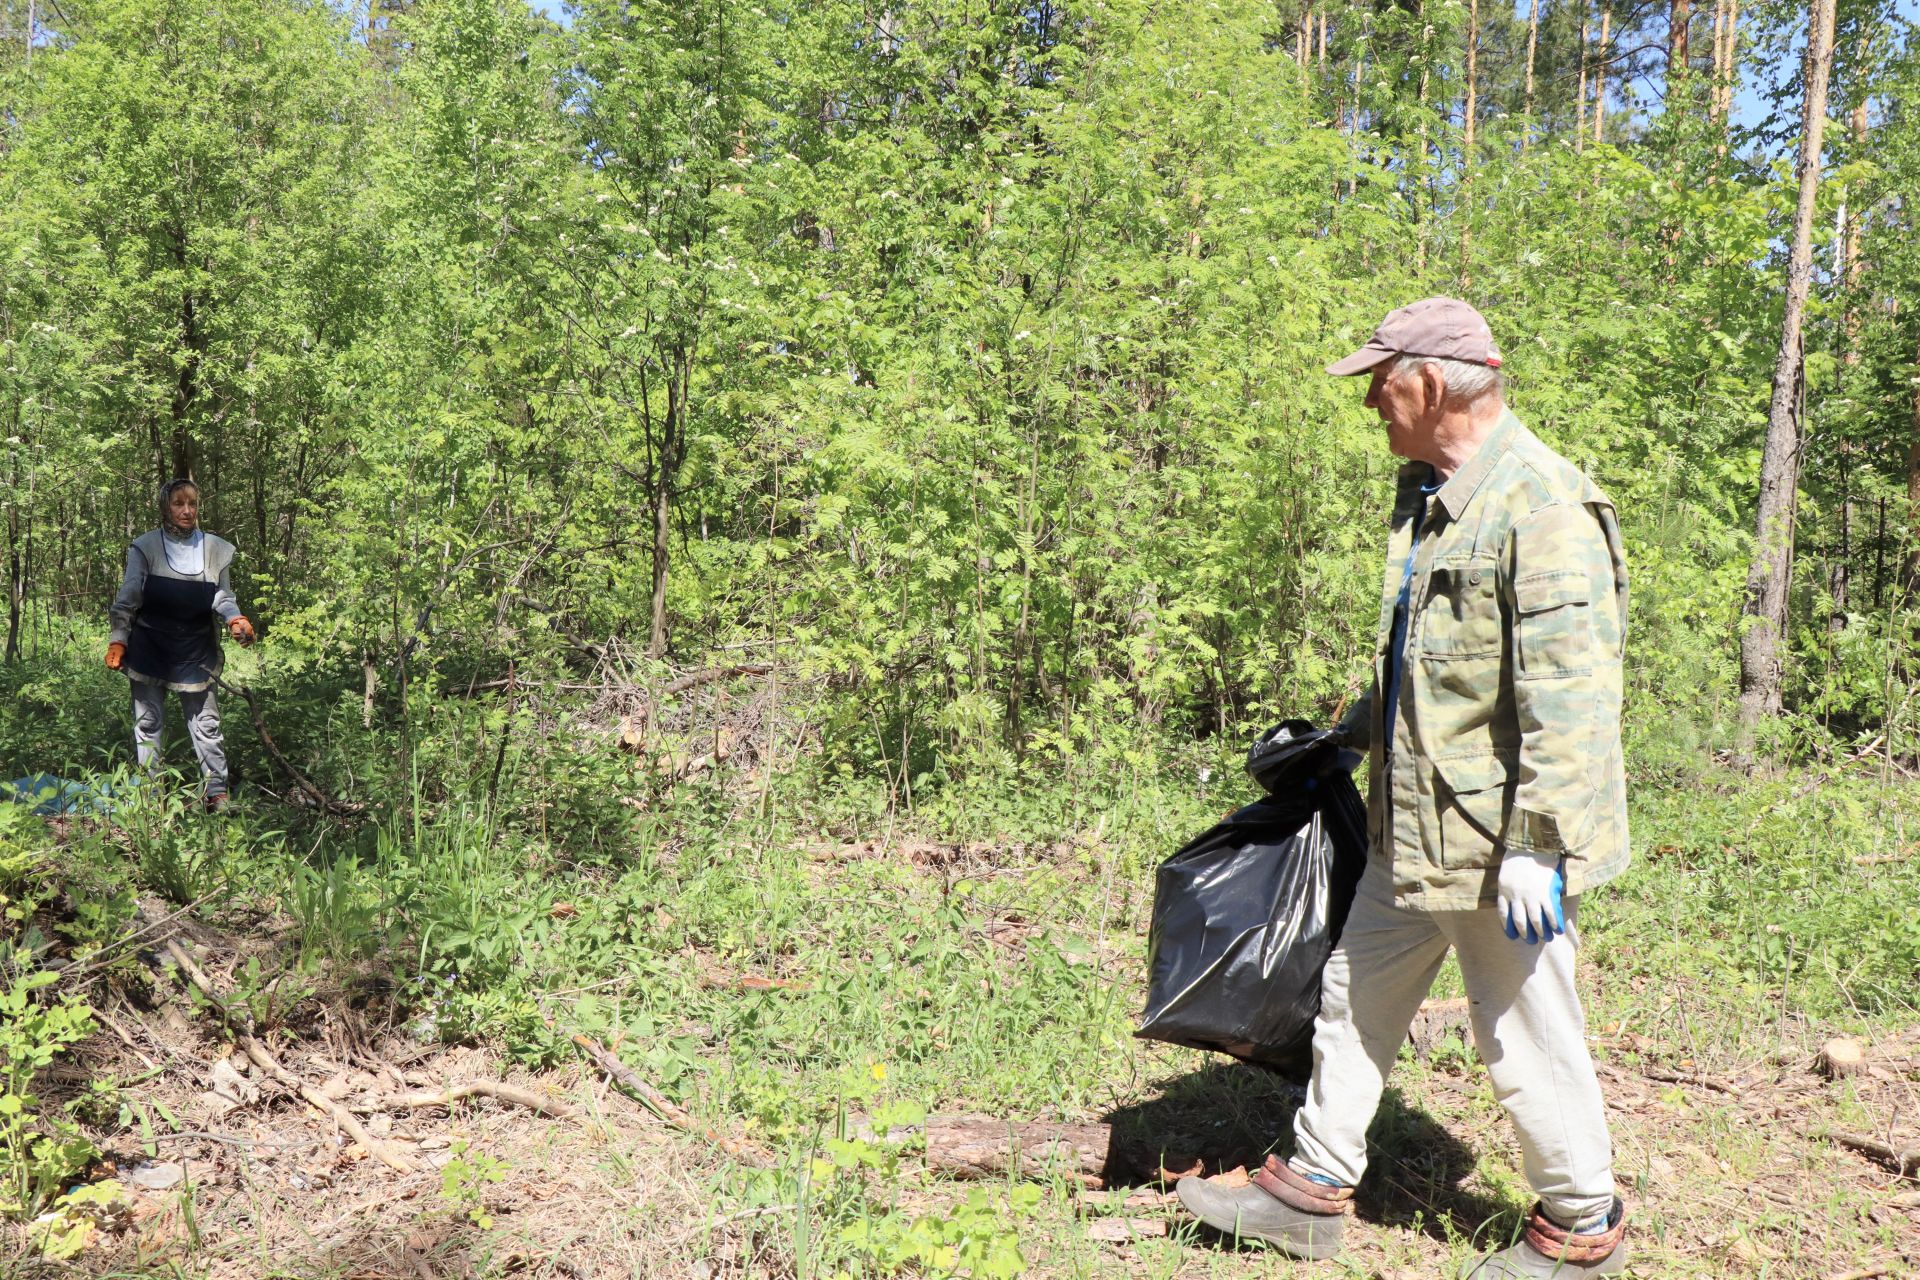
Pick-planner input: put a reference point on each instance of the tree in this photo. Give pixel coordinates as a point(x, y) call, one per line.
point(1765, 610)
point(186, 180)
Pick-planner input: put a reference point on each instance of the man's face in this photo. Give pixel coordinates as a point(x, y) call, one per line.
point(1405, 403)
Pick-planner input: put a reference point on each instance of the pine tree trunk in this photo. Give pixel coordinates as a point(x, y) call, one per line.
point(1600, 77)
point(666, 471)
point(1679, 17)
point(1580, 98)
point(1719, 24)
point(1768, 578)
point(16, 582)
point(1359, 78)
point(1725, 53)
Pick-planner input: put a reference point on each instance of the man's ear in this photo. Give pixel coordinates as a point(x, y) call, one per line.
point(1433, 387)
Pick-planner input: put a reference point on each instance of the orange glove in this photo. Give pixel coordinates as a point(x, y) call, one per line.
point(116, 653)
point(242, 630)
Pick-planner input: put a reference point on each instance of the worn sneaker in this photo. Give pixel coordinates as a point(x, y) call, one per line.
point(216, 801)
point(1299, 1217)
point(1549, 1251)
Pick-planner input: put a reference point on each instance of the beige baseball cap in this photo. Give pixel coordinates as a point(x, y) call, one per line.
point(1445, 328)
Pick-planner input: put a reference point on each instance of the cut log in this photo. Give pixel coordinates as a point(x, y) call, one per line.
point(974, 1148)
point(1841, 1057)
point(969, 1147)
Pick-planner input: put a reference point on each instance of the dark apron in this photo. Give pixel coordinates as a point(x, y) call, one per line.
point(175, 640)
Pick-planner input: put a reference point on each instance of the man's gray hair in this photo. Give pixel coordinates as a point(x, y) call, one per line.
point(1466, 381)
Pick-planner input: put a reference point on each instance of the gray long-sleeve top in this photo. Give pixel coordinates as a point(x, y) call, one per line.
point(147, 556)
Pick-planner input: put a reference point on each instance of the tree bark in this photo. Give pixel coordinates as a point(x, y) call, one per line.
point(666, 469)
point(1600, 76)
point(1420, 181)
point(1726, 46)
point(186, 390)
point(1471, 109)
point(16, 581)
point(1533, 42)
point(1679, 17)
point(1580, 98)
point(1913, 495)
point(1719, 23)
point(1769, 576)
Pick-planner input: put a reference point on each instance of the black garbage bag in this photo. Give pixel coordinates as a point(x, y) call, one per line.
point(1245, 916)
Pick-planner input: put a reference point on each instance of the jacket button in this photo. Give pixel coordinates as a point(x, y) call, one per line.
point(1473, 579)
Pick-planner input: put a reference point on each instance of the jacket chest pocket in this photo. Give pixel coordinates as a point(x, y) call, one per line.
point(1461, 615)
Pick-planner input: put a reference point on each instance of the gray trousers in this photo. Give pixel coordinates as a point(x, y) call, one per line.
point(1527, 1024)
point(203, 727)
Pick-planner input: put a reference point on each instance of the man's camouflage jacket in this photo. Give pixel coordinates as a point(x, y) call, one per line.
point(1508, 732)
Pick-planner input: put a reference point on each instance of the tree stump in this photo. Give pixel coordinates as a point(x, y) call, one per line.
point(1841, 1057)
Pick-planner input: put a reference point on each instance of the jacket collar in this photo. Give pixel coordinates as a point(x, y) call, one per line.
point(1458, 491)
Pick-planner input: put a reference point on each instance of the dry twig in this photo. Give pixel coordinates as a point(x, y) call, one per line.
point(267, 1063)
point(486, 1089)
point(665, 1107)
point(1703, 1082)
point(339, 808)
point(1901, 1162)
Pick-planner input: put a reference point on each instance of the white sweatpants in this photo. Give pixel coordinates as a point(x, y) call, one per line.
point(1527, 1025)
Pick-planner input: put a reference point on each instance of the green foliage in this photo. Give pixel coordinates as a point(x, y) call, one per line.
point(464, 1180)
point(979, 1237)
point(39, 1152)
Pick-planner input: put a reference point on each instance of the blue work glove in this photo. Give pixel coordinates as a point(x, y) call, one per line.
point(1531, 885)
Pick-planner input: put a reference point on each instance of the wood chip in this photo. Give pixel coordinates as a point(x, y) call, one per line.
point(1125, 1230)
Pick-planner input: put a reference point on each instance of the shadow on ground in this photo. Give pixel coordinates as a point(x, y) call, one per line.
point(1229, 1116)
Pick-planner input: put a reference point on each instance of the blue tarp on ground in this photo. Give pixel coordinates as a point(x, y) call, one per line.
point(48, 796)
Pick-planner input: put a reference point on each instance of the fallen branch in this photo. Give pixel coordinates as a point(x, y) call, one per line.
point(339, 808)
point(694, 679)
point(1703, 1082)
point(633, 736)
point(486, 1089)
point(1865, 1273)
point(1901, 1162)
point(665, 1107)
point(243, 1034)
point(98, 960)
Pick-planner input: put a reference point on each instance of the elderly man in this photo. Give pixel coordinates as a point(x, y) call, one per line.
point(1497, 796)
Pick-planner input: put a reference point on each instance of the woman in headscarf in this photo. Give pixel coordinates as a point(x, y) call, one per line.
point(165, 631)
